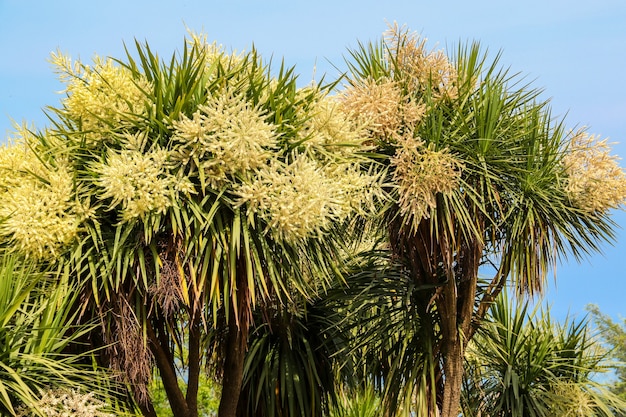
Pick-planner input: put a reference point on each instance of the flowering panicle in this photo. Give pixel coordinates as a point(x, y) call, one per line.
point(39, 216)
point(595, 181)
point(213, 53)
point(329, 127)
point(68, 403)
point(424, 71)
point(100, 96)
point(16, 159)
point(38, 207)
point(301, 199)
point(381, 106)
point(226, 136)
point(140, 182)
point(422, 173)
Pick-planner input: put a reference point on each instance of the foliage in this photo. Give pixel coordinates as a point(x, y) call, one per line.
point(358, 403)
point(387, 336)
point(35, 309)
point(291, 362)
point(208, 397)
point(521, 363)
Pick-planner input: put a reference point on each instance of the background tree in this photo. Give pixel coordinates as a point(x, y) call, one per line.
point(522, 363)
point(480, 173)
point(613, 335)
point(181, 194)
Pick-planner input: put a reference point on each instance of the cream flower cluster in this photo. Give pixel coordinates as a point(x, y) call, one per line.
point(225, 137)
point(99, 96)
point(421, 174)
point(382, 107)
point(424, 70)
point(595, 180)
point(140, 182)
point(39, 214)
point(301, 199)
point(68, 403)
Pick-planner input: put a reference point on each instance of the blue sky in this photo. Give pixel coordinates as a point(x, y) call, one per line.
point(574, 50)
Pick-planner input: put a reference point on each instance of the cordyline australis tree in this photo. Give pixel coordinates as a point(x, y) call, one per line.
point(182, 194)
point(481, 173)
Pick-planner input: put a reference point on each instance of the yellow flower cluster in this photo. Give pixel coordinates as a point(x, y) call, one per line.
point(595, 180)
point(140, 182)
point(99, 96)
point(302, 199)
point(226, 136)
point(382, 107)
point(422, 173)
point(16, 159)
point(38, 211)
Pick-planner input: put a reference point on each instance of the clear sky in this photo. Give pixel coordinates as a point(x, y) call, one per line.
point(575, 50)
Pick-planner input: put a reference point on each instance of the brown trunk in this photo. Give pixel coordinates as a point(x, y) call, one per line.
point(147, 410)
point(193, 379)
point(456, 307)
point(451, 349)
point(239, 321)
point(233, 370)
point(453, 371)
point(164, 362)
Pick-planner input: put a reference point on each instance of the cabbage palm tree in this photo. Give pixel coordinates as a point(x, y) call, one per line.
point(182, 194)
point(481, 174)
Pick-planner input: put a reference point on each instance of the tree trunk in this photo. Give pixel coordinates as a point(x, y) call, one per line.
point(453, 371)
point(195, 361)
point(233, 369)
point(239, 320)
point(147, 410)
point(452, 349)
point(164, 361)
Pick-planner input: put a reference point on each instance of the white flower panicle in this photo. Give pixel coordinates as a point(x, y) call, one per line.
point(226, 136)
point(139, 182)
point(100, 96)
point(422, 173)
point(595, 180)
